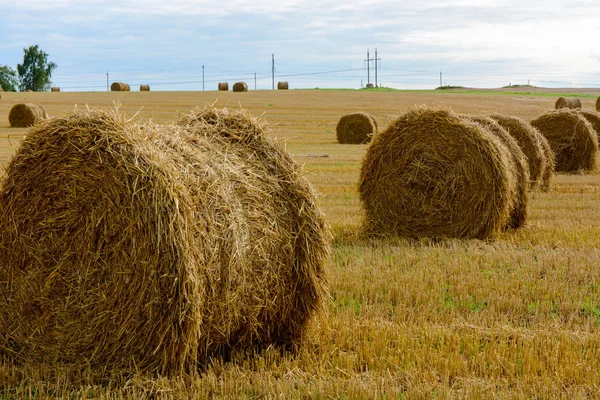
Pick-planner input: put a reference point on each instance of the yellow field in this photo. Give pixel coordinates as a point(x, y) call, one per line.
point(515, 317)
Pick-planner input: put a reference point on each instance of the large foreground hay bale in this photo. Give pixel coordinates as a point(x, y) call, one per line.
point(572, 139)
point(356, 128)
point(144, 88)
point(432, 174)
point(518, 168)
point(282, 86)
point(120, 87)
point(530, 144)
point(223, 86)
point(150, 248)
point(55, 89)
point(567, 102)
point(240, 87)
point(24, 115)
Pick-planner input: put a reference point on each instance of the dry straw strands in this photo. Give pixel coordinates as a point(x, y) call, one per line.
point(24, 115)
point(519, 167)
point(567, 102)
point(55, 89)
point(282, 86)
point(548, 173)
point(356, 128)
point(572, 139)
point(593, 117)
point(433, 174)
point(141, 247)
point(223, 86)
point(240, 87)
point(530, 143)
point(144, 88)
point(119, 87)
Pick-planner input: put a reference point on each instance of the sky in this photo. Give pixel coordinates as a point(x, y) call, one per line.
point(169, 44)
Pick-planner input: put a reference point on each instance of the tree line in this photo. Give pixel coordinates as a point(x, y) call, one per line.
point(33, 74)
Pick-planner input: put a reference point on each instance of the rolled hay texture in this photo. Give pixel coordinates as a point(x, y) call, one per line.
point(598, 104)
point(144, 88)
point(593, 117)
point(55, 89)
point(548, 172)
point(356, 128)
point(282, 86)
point(567, 102)
point(572, 139)
point(223, 86)
point(433, 174)
point(530, 144)
point(149, 248)
point(240, 87)
point(518, 169)
point(25, 115)
point(119, 87)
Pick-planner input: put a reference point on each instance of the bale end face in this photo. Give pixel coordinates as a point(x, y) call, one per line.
point(240, 87)
point(120, 87)
point(26, 115)
point(356, 128)
point(223, 86)
point(282, 86)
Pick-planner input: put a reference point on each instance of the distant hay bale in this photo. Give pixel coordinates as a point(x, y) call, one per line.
point(55, 89)
point(572, 139)
point(529, 142)
point(370, 86)
point(25, 115)
point(223, 86)
point(240, 87)
point(433, 174)
point(144, 88)
point(519, 168)
point(151, 248)
point(282, 86)
point(567, 102)
point(356, 128)
point(119, 87)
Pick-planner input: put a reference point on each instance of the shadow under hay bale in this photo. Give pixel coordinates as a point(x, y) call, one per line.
point(240, 87)
point(356, 128)
point(144, 88)
point(55, 89)
point(432, 174)
point(223, 86)
point(191, 246)
point(119, 87)
point(530, 144)
point(519, 168)
point(572, 139)
point(25, 115)
point(282, 86)
point(567, 102)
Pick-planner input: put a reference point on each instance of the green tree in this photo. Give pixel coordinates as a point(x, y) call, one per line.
point(8, 79)
point(36, 71)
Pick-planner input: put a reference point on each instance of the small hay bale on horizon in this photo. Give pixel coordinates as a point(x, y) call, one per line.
point(24, 115)
point(223, 86)
point(55, 89)
point(192, 240)
point(356, 128)
point(240, 87)
point(572, 139)
point(433, 174)
point(119, 87)
point(530, 144)
point(567, 102)
point(144, 88)
point(282, 86)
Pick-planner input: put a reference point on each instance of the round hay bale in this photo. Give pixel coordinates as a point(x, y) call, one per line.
point(55, 89)
point(593, 117)
point(519, 169)
point(25, 115)
point(240, 87)
point(567, 102)
point(144, 88)
point(119, 87)
point(433, 174)
point(282, 86)
point(572, 139)
point(529, 142)
point(192, 246)
point(598, 104)
point(223, 86)
point(356, 128)
point(548, 172)
point(370, 86)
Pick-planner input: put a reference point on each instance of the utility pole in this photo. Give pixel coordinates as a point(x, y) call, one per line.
point(273, 71)
point(376, 66)
point(368, 60)
point(107, 81)
point(203, 78)
point(255, 81)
